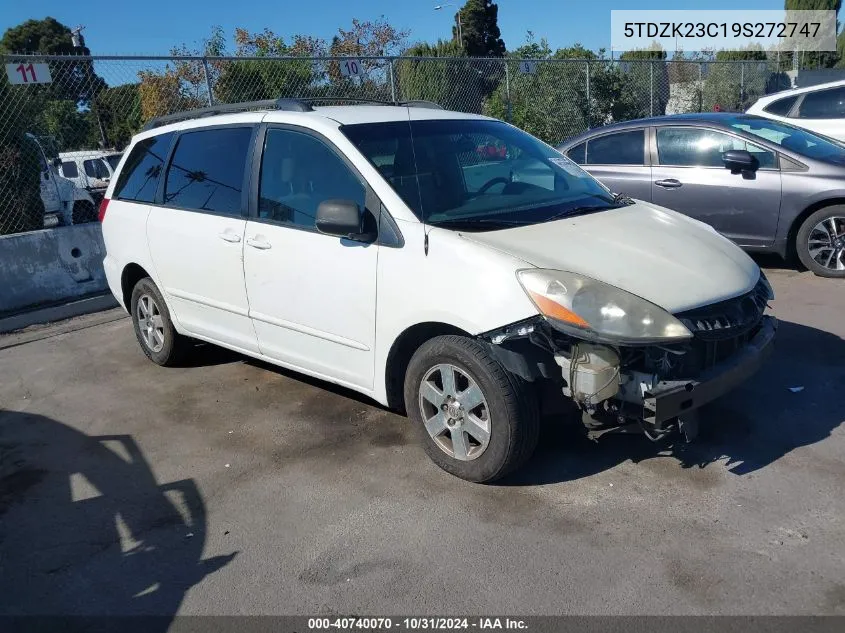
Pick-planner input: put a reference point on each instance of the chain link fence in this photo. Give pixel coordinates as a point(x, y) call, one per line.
point(51, 105)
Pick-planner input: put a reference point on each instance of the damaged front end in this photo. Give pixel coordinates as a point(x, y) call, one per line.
point(656, 386)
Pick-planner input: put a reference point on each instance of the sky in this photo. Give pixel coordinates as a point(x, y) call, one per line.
point(153, 27)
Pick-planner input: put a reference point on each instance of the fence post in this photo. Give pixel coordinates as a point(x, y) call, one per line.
point(742, 85)
point(207, 81)
point(700, 87)
point(589, 105)
point(651, 88)
point(392, 83)
point(507, 91)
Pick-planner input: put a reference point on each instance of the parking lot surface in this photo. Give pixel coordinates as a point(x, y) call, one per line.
point(233, 487)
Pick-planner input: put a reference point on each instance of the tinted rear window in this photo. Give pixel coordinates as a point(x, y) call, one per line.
point(140, 175)
point(623, 148)
point(781, 107)
point(823, 104)
point(207, 170)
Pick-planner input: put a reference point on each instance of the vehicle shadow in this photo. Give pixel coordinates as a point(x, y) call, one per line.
point(776, 262)
point(747, 429)
point(86, 530)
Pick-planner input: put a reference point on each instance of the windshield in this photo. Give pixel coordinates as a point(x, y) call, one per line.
point(477, 175)
point(793, 138)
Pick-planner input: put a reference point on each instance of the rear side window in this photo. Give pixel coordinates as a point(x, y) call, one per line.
point(823, 104)
point(578, 153)
point(140, 175)
point(781, 107)
point(207, 171)
point(69, 169)
point(623, 148)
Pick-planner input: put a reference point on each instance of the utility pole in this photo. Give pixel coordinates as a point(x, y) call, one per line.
point(78, 41)
point(440, 7)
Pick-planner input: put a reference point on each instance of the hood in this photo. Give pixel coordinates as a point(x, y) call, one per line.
point(662, 256)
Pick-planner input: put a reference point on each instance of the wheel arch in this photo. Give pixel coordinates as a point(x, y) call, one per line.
point(403, 348)
point(791, 251)
point(131, 275)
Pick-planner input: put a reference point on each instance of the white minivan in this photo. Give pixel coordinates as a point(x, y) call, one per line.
point(387, 249)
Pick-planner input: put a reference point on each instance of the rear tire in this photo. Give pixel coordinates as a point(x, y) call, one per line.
point(479, 424)
point(154, 329)
point(820, 242)
point(83, 212)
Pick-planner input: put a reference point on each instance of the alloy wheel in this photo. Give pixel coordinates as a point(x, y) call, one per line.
point(455, 412)
point(150, 323)
point(826, 243)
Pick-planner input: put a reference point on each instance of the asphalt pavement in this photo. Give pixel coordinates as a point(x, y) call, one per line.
point(234, 487)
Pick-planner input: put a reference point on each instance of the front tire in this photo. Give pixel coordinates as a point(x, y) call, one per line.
point(476, 420)
point(154, 329)
point(820, 242)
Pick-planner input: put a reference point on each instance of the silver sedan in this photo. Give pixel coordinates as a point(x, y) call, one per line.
point(767, 185)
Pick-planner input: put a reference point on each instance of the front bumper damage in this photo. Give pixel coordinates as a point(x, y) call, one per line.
point(616, 387)
point(670, 399)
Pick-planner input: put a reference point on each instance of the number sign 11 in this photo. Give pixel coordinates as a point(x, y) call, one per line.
point(23, 73)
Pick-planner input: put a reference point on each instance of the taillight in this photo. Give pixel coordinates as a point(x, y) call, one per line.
point(103, 206)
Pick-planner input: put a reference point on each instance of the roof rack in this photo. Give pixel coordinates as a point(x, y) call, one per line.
point(289, 105)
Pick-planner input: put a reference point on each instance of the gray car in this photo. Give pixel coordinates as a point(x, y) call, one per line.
point(767, 185)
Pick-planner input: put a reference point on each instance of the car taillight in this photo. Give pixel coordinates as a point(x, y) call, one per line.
point(103, 206)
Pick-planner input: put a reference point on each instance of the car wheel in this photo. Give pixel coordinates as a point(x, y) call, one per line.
point(476, 419)
point(83, 211)
point(820, 242)
point(154, 329)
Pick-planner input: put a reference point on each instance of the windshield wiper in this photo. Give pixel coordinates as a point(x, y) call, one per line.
point(587, 208)
point(469, 223)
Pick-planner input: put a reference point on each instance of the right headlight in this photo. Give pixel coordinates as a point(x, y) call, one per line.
point(594, 310)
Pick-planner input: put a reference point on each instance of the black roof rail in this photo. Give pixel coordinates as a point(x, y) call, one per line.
point(416, 103)
point(288, 105)
point(419, 103)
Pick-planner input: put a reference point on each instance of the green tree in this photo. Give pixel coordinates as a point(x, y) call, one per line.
point(643, 86)
point(21, 208)
point(118, 111)
point(479, 29)
point(453, 83)
point(74, 80)
point(820, 59)
point(551, 102)
point(735, 86)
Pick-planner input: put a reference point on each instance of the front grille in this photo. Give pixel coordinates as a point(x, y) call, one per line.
point(728, 319)
point(719, 331)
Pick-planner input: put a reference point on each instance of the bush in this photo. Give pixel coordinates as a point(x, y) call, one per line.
point(21, 208)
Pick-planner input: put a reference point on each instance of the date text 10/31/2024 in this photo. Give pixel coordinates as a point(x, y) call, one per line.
point(416, 623)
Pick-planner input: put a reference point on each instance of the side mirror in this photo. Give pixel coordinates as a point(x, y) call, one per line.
point(342, 218)
point(57, 162)
point(739, 160)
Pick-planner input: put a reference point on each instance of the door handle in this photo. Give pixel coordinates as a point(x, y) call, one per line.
point(230, 237)
point(669, 183)
point(259, 243)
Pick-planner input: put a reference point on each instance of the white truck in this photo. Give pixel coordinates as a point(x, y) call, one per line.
point(64, 202)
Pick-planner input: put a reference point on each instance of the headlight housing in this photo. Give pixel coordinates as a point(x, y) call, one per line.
point(593, 310)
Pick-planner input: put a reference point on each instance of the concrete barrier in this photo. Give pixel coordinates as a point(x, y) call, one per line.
point(51, 266)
